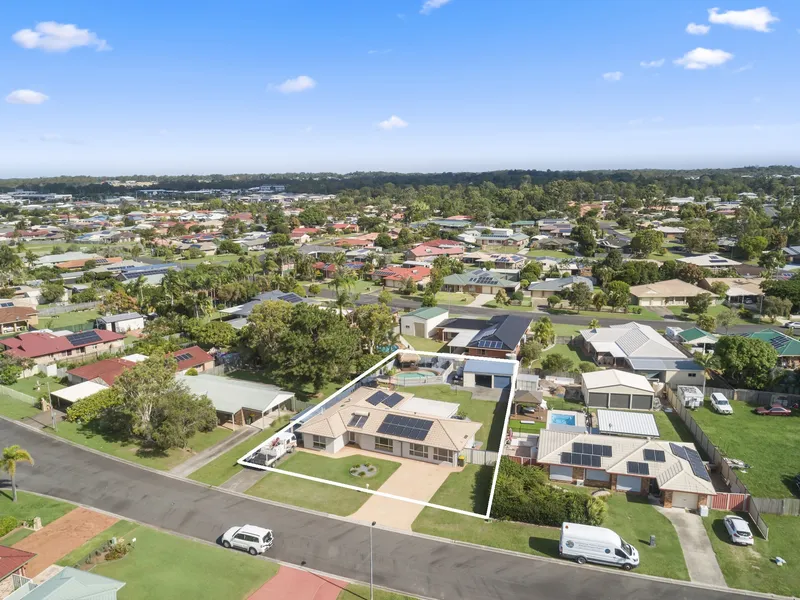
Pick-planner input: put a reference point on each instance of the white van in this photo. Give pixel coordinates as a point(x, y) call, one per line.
point(585, 543)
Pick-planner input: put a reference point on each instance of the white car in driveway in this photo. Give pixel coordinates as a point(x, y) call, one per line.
point(721, 404)
point(792, 325)
point(252, 539)
point(738, 530)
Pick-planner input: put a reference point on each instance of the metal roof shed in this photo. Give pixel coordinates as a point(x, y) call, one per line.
point(489, 367)
point(620, 422)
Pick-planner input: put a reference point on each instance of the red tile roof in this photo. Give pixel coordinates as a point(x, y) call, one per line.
point(107, 370)
point(40, 343)
point(13, 314)
point(196, 357)
point(12, 560)
point(77, 264)
point(442, 244)
point(434, 251)
point(401, 273)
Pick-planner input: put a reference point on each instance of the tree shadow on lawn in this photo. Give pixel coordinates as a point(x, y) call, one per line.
point(111, 435)
point(496, 432)
point(791, 484)
point(481, 488)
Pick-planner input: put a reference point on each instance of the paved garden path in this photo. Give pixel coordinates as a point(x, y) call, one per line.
point(481, 299)
point(297, 584)
point(697, 551)
point(206, 456)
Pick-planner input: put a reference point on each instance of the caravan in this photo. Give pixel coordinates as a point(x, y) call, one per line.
point(585, 543)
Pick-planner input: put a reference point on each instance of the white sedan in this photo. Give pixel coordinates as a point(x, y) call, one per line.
point(721, 404)
point(792, 325)
point(738, 530)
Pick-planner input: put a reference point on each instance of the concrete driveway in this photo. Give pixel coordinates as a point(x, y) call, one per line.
point(697, 551)
point(481, 299)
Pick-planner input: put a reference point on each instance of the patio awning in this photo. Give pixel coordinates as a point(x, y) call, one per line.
point(462, 339)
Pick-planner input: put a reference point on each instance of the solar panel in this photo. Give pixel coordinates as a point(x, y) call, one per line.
point(83, 338)
point(580, 460)
point(6, 304)
point(779, 342)
point(654, 455)
point(698, 468)
point(679, 451)
point(357, 421)
point(406, 427)
point(638, 468)
point(377, 398)
point(393, 400)
point(184, 356)
point(591, 449)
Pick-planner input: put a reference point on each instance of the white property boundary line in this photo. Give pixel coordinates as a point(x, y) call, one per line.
point(330, 399)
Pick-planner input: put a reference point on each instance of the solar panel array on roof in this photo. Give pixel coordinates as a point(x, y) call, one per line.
point(83, 338)
point(357, 421)
point(582, 460)
point(489, 344)
point(654, 455)
point(393, 400)
point(698, 468)
point(184, 356)
point(377, 398)
point(6, 304)
point(591, 449)
point(638, 468)
point(780, 341)
point(679, 451)
point(405, 427)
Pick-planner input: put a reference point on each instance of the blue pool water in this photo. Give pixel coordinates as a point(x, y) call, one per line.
point(563, 420)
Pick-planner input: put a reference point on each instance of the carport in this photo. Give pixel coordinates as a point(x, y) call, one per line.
point(617, 389)
point(488, 373)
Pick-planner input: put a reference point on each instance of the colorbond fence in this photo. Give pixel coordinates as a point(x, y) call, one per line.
point(479, 457)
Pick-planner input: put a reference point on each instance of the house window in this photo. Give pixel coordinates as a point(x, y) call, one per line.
point(318, 442)
point(417, 450)
point(384, 444)
point(692, 374)
point(442, 455)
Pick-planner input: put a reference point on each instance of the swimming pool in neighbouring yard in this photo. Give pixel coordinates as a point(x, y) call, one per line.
point(560, 419)
point(407, 376)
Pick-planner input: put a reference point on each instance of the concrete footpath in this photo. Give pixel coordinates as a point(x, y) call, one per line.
point(697, 551)
point(244, 480)
point(206, 456)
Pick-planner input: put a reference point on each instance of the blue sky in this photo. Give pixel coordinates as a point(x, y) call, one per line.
point(336, 85)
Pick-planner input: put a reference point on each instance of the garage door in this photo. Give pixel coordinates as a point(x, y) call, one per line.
point(597, 475)
point(560, 473)
point(596, 399)
point(619, 401)
point(501, 381)
point(419, 329)
point(684, 500)
point(642, 402)
point(626, 483)
point(483, 380)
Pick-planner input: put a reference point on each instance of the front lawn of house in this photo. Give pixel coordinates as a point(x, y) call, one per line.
point(167, 566)
point(644, 315)
point(321, 496)
point(768, 444)
point(27, 507)
point(16, 409)
point(632, 517)
point(524, 307)
point(550, 253)
point(129, 450)
point(29, 384)
point(453, 298)
point(222, 468)
point(714, 311)
point(753, 567)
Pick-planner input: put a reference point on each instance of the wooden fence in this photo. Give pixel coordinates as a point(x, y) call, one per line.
point(732, 502)
point(755, 397)
point(778, 506)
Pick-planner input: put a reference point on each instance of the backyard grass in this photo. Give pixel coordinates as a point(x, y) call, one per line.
point(356, 591)
point(563, 350)
point(68, 319)
point(671, 428)
point(120, 529)
point(631, 517)
point(303, 391)
point(113, 445)
point(491, 414)
point(424, 344)
point(518, 426)
point(29, 506)
point(753, 567)
point(168, 566)
point(551, 253)
point(769, 444)
point(16, 409)
point(29, 384)
point(222, 468)
point(321, 496)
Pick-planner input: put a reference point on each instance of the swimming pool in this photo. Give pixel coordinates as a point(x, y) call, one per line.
point(412, 375)
point(561, 419)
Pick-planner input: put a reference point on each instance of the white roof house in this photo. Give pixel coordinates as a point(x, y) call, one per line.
point(673, 292)
point(617, 389)
point(712, 261)
point(630, 340)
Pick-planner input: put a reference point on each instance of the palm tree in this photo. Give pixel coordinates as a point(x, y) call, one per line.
point(594, 324)
point(708, 362)
point(343, 300)
point(8, 463)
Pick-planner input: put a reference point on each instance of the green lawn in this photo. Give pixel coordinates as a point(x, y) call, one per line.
point(562, 329)
point(563, 350)
point(769, 444)
point(28, 385)
point(222, 468)
point(667, 255)
point(645, 315)
point(552, 253)
point(713, 311)
point(356, 591)
point(631, 517)
point(671, 428)
point(753, 567)
point(16, 409)
point(321, 496)
point(68, 319)
point(29, 506)
point(453, 298)
point(120, 529)
point(518, 426)
point(424, 344)
point(491, 414)
point(109, 444)
point(524, 307)
point(303, 391)
point(167, 566)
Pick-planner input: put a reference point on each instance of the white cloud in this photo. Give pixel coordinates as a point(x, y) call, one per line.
point(393, 122)
point(757, 19)
point(696, 29)
point(58, 37)
point(702, 58)
point(746, 67)
point(431, 5)
point(613, 76)
point(652, 64)
point(386, 51)
point(298, 84)
point(25, 97)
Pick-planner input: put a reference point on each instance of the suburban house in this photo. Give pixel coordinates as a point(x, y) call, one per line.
point(611, 388)
point(421, 322)
point(396, 277)
point(555, 243)
point(788, 348)
point(478, 281)
point(673, 292)
point(16, 318)
point(121, 323)
point(105, 370)
point(489, 374)
point(12, 562)
point(627, 464)
point(497, 261)
point(299, 237)
point(69, 584)
point(398, 423)
point(497, 337)
point(792, 254)
point(715, 262)
point(45, 348)
point(741, 290)
point(696, 338)
point(671, 233)
point(423, 251)
point(520, 240)
point(193, 357)
point(641, 349)
point(54, 260)
point(237, 402)
point(540, 291)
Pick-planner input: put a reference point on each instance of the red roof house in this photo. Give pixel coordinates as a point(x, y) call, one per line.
point(44, 346)
point(106, 370)
point(13, 561)
point(193, 358)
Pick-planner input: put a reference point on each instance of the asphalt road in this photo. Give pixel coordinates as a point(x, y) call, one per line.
point(414, 565)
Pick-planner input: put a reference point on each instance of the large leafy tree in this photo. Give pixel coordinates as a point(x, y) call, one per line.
point(618, 294)
point(647, 241)
point(376, 323)
point(579, 296)
point(543, 331)
point(11, 457)
point(746, 362)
